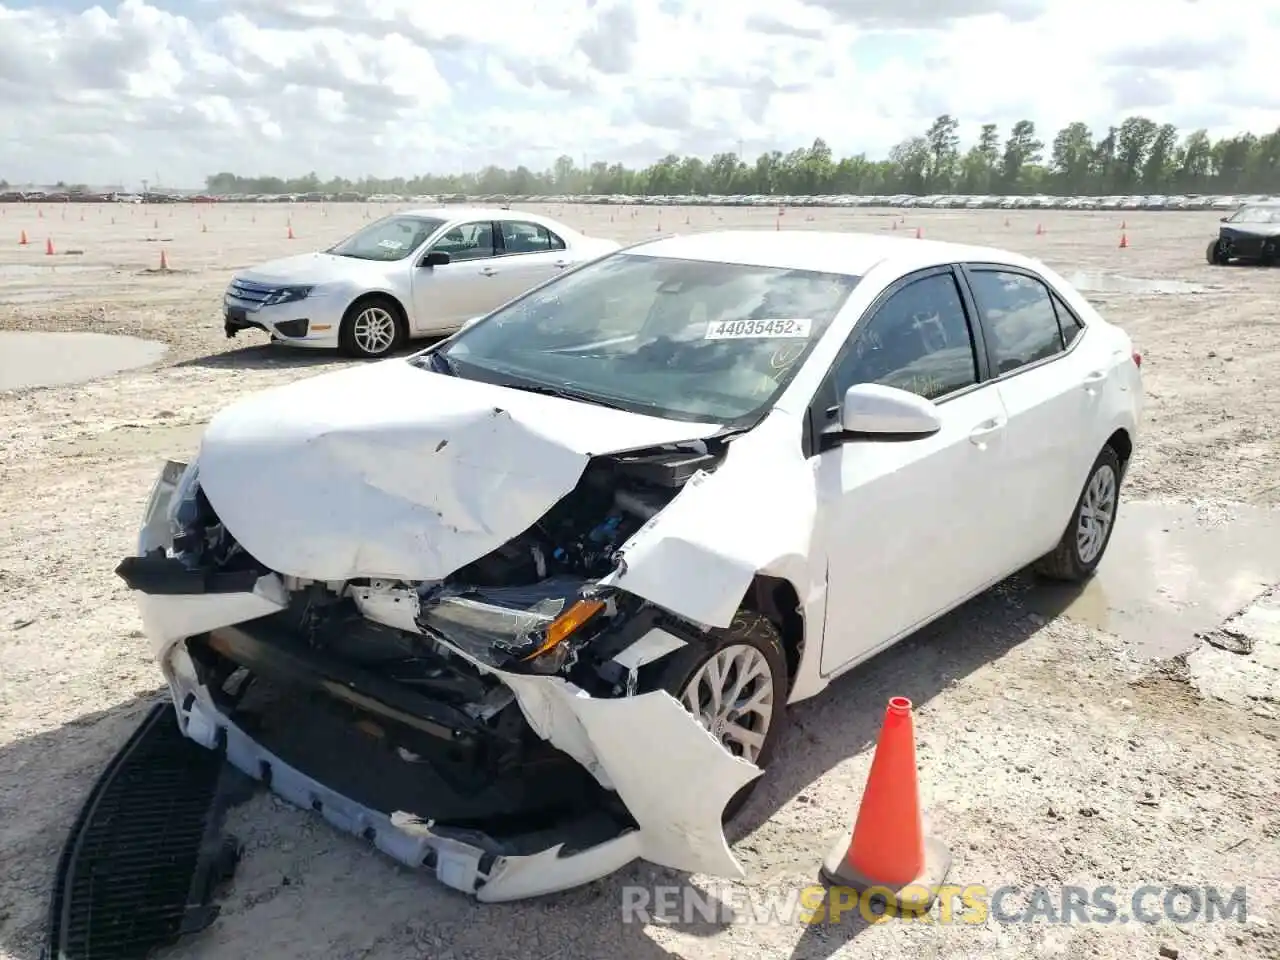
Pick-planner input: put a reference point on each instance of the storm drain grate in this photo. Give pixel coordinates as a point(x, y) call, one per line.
point(146, 852)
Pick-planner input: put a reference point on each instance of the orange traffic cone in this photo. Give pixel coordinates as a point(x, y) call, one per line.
point(48, 247)
point(1039, 229)
point(1124, 224)
point(290, 235)
point(919, 233)
point(164, 260)
point(888, 849)
point(1124, 242)
point(895, 225)
point(22, 239)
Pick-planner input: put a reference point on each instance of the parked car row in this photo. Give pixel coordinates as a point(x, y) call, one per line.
point(901, 201)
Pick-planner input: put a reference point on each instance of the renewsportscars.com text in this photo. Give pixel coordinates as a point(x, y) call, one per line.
point(955, 904)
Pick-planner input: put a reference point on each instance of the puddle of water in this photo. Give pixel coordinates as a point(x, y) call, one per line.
point(30, 359)
point(1109, 283)
point(1169, 575)
point(167, 440)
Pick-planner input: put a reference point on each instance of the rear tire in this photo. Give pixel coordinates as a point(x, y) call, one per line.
point(1084, 542)
point(372, 328)
point(751, 724)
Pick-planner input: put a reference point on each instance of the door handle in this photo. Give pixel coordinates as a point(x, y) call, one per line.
point(979, 434)
point(488, 272)
point(562, 264)
point(1091, 380)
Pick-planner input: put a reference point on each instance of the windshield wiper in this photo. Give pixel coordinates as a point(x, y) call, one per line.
point(563, 394)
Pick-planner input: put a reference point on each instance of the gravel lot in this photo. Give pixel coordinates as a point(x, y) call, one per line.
point(1064, 739)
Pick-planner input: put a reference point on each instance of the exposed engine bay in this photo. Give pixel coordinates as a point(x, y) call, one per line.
point(386, 691)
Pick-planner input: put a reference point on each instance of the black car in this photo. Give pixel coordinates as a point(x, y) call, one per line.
point(1250, 235)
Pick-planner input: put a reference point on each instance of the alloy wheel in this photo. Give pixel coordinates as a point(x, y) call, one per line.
point(374, 330)
point(732, 697)
point(1097, 513)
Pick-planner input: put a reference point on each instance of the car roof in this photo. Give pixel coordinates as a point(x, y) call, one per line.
point(476, 213)
point(850, 253)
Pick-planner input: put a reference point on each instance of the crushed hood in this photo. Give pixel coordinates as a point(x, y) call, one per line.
point(389, 470)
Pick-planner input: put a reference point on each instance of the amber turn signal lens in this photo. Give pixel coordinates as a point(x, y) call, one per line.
point(565, 624)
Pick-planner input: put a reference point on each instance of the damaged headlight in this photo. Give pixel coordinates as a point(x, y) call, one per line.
point(184, 508)
point(511, 636)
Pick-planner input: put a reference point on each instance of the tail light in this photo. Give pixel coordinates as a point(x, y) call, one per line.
point(1137, 359)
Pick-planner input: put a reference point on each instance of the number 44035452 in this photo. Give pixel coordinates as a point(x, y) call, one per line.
point(742, 329)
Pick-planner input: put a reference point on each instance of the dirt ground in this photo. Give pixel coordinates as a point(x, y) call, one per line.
point(1054, 748)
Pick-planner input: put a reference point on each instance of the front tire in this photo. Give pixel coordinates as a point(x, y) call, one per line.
point(1083, 544)
point(372, 328)
point(1215, 254)
point(736, 686)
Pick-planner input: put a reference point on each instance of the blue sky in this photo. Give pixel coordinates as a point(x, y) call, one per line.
point(95, 93)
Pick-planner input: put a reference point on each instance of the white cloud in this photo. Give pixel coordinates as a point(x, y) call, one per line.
point(351, 87)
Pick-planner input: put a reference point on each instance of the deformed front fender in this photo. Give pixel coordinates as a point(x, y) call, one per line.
point(754, 515)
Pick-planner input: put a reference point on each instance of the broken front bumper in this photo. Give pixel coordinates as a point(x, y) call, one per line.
point(673, 777)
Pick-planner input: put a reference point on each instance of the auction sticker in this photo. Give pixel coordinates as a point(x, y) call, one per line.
point(752, 329)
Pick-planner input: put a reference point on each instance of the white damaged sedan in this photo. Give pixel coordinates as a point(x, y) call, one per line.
point(531, 604)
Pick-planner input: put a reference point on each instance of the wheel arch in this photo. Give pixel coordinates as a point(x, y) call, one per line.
point(1122, 443)
point(777, 599)
point(386, 296)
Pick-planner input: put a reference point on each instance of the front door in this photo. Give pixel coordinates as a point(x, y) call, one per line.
point(445, 297)
point(909, 523)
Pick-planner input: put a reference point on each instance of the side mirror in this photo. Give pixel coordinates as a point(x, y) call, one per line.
point(435, 258)
point(887, 413)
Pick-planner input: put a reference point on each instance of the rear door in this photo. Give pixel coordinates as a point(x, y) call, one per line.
point(1050, 375)
point(529, 253)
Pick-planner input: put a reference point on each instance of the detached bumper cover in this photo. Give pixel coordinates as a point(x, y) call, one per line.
point(152, 829)
point(673, 776)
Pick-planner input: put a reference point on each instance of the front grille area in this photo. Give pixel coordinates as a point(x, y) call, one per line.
point(146, 852)
point(250, 292)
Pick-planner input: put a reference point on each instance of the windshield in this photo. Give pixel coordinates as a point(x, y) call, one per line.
point(1256, 215)
point(391, 238)
point(683, 339)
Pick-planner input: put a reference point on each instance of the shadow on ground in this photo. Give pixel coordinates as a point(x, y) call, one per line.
point(322, 909)
point(275, 356)
point(264, 356)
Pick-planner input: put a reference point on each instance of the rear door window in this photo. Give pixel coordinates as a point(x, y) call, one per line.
point(1019, 317)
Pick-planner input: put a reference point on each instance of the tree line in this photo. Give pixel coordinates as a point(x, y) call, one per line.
point(1136, 156)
